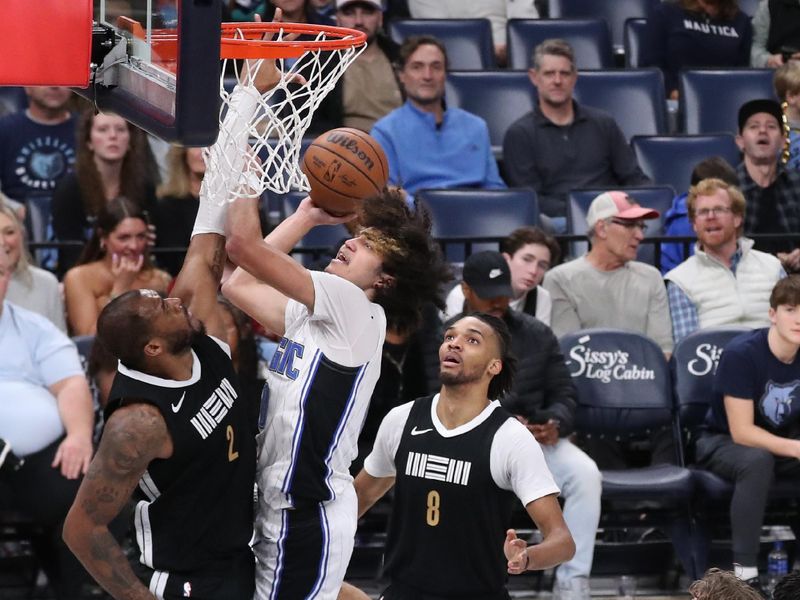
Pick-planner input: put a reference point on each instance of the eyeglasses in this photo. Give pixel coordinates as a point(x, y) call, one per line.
point(641, 225)
point(705, 213)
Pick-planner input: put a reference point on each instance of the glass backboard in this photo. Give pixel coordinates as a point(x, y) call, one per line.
point(160, 66)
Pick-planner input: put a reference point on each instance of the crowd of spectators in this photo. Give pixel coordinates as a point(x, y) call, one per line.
point(119, 223)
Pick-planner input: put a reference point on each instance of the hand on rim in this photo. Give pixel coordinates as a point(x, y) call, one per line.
point(266, 74)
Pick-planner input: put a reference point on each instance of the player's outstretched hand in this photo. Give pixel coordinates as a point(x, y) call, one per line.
point(265, 72)
point(320, 216)
point(516, 551)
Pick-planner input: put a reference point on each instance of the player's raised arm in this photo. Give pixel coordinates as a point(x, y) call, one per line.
point(556, 547)
point(267, 275)
point(198, 282)
point(133, 436)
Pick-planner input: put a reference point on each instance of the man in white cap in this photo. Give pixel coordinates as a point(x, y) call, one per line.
point(607, 287)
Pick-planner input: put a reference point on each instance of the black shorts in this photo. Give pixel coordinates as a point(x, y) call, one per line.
point(227, 581)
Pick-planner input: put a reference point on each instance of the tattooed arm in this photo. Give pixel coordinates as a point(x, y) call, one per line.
point(133, 437)
point(198, 282)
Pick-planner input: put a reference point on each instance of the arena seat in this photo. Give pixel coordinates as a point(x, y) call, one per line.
point(459, 215)
point(710, 98)
point(634, 97)
point(320, 244)
point(693, 364)
point(498, 97)
point(635, 40)
point(615, 12)
point(624, 392)
point(589, 38)
point(468, 41)
point(658, 197)
point(669, 160)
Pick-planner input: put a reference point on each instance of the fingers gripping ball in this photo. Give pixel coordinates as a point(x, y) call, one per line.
point(344, 166)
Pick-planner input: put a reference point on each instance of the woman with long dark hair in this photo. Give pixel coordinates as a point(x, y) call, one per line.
point(111, 161)
point(114, 261)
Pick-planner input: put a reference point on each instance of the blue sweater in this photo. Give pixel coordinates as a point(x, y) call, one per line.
point(679, 39)
point(457, 153)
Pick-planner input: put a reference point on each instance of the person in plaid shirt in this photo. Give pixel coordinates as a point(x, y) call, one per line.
point(772, 192)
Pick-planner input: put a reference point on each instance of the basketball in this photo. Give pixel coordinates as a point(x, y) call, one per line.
point(344, 166)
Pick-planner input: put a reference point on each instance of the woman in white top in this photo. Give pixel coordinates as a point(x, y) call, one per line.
point(530, 252)
point(30, 287)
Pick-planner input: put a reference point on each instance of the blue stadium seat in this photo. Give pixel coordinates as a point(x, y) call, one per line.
point(589, 38)
point(468, 41)
point(658, 197)
point(710, 98)
point(321, 243)
point(463, 214)
point(498, 97)
point(615, 12)
point(624, 391)
point(635, 42)
point(634, 97)
point(749, 7)
point(669, 160)
point(693, 364)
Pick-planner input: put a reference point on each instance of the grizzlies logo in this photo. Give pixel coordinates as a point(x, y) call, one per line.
point(776, 402)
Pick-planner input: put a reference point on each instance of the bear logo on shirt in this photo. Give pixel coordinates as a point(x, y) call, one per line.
point(776, 402)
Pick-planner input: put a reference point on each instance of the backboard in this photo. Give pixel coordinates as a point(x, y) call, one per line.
point(159, 66)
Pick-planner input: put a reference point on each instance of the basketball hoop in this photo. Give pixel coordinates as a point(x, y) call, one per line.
point(273, 123)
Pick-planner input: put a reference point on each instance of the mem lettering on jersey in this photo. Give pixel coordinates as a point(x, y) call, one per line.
point(438, 468)
point(214, 409)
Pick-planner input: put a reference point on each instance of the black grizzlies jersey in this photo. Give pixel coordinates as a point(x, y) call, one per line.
point(447, 502)
point(194, 510)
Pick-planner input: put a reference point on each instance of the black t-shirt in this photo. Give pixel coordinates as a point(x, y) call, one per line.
point(768, 221)
point(748, 370)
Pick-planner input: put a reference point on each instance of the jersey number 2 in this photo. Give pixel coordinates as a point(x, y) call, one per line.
point(432, 514)
point(232, 454)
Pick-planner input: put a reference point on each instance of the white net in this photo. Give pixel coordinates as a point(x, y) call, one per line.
point(261, 135)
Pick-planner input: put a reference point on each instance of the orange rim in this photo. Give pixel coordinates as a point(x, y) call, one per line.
point(245, 40)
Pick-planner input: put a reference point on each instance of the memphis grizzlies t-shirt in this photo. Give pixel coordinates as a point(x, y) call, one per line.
point(748, 370)
point(34, 156)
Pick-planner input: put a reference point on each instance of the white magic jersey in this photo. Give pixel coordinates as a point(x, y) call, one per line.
point(320, 383)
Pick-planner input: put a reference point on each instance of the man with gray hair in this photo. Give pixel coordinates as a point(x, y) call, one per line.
point(561, 145)
point(608, 287)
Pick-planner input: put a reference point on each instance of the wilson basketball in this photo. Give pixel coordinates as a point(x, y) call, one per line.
point(344, 166)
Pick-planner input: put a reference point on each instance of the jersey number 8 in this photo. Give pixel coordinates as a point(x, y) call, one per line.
point(432, 514)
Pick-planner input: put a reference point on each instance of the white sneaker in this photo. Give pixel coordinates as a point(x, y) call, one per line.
point(576, 588)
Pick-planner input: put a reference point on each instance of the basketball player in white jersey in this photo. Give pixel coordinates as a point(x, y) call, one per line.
point(322, 376)
point(457, 460)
